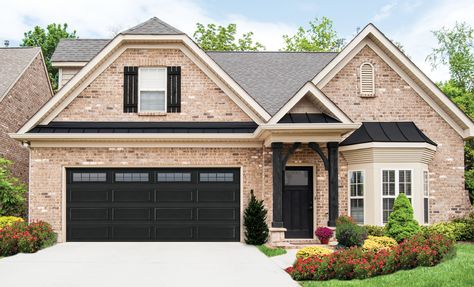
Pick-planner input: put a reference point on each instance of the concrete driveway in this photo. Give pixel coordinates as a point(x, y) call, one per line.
point(143, 264)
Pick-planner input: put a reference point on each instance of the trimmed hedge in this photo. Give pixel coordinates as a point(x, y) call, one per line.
point(355, 263)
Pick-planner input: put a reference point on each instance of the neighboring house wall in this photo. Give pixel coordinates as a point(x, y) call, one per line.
point(27, 95)
point(66, 73)
point(201, 98)
point(395, 100)
point(48, 166)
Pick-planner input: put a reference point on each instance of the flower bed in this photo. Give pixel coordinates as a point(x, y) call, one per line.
point(358, 263)
point(21, 237)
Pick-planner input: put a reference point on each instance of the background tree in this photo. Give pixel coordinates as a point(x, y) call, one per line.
point(456, 50)
point(12, 192)
point(255, 222)
point(47, 40)
point(220, 38)
point(319, 37)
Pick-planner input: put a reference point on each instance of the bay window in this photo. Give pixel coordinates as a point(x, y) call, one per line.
point(394, 182)
point(425, 197)
point(356, 195)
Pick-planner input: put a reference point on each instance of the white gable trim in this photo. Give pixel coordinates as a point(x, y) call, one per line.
point(310, 89)
point(114, 49)
point(366, 37)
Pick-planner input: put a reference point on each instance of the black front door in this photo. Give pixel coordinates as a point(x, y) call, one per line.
point(298, 202)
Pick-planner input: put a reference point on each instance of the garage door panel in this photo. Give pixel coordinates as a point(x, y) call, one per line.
point(214, 194)
point(174, 195)
point(219, 232)
point(88, 233)
point(89, 214)
point(88, 194)
point(216, 214)
point(171, 214)
point(126, 214)
point(131, 233)
point(173, 233)
point(132, 194)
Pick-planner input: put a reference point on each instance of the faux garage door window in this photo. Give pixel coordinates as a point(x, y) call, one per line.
point(216, 177)
point(174, 177)
point(131, 177)
point(89, 177)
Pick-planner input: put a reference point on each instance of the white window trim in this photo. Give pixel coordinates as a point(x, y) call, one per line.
point(397, 187)
point(426, 185)
point(373, 79)
point(349, 190)
point(152, 90)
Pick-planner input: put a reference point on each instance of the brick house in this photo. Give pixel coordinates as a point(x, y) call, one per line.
point(24, 89)
point(151, 138)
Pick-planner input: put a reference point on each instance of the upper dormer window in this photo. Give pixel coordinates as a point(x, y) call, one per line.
point(367, 79)
point(152, 89)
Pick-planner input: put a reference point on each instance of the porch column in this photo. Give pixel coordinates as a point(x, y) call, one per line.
point(333, 174)
point(277, 148)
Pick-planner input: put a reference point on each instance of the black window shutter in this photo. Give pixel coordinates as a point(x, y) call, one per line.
point(174, 90)
point(130, 89)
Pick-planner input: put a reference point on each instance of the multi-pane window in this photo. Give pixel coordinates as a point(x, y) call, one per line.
point(426, 195)
point(393, 183)
point(131, 177)
point(89, 176)
point(174, 177)
point(216, 177)
point(356, 188)
point(152, 89)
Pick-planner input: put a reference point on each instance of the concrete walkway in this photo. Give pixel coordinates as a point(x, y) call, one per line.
point(286, 260)
point(143, 264)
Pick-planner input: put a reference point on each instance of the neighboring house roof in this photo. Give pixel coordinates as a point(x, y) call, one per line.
point(153, 26)
point(14, 62)
point(392, 132)
point(146, 127)
point(78, 50)
point(272, 78)
point(299, 118)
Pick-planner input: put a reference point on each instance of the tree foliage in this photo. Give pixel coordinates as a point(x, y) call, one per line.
point(456, 49)
point(221, 38)
point(47, 39)
point(319, 37)
point(401, 224)
point(12, 192)
point(255, 216)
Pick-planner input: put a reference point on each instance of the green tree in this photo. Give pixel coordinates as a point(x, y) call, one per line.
point(220, 38)
point(12, 192)
point(319, 37)
point(401, 224)
point(456, 50)
point(255, 216)
point(47, 40)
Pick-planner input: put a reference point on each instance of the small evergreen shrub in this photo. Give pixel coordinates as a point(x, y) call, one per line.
point(375, 230)
point(401, 224)
point(8, 220)
point(255, 216)
point(468, 233)
point(311, 251)
point(348, 235)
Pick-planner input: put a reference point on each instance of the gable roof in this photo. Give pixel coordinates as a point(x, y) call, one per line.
point(78, 50)
point(393, 132)
point(153, 26)
point(14, 62)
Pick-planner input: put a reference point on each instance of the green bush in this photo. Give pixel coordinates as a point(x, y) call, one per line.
point(401, 224)
point(375, 230)
point(468, 233)
point(343, 219)
point(452, 230)
point(12, 192)
point(255, 217)
point(8, 220)
point(349, 235)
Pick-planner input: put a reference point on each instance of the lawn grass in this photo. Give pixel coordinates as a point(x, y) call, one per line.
point(270, 252)
point(457, 271)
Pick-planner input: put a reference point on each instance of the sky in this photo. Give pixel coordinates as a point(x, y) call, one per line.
point(409, 22)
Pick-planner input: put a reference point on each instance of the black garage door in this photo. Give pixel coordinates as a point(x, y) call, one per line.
point(153, 204)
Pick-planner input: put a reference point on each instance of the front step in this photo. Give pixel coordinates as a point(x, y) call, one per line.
point(301, 243)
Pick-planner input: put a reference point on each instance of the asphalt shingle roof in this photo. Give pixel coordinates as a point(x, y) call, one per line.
point(153, 26)
point(78, 50)
point(13, 62)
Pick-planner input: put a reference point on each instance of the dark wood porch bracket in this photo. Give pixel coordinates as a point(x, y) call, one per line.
point(330, 164)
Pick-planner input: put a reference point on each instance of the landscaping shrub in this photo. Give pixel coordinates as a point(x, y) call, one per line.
point(343, 219)
point(21, 237)
point(377, 243)
point(401, 224)
point(375, 230)
point(355, 263)
point(452, 230)
point(12, 192)
point(468, 233)
point(8, 220)
point(312, 251)
point(255, 217)
point(349, 234)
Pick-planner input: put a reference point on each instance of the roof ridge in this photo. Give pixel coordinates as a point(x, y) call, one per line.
point(152, 19)
point(288, 52)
